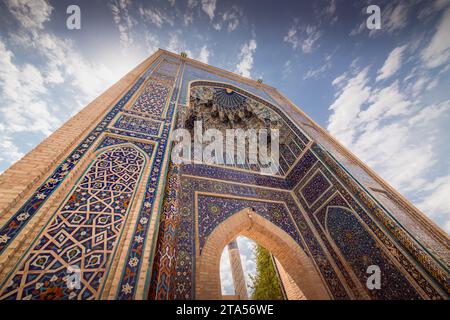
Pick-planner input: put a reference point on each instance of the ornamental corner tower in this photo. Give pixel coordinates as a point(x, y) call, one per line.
point(99, 210)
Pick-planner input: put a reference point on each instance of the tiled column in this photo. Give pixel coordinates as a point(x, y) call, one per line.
point(236, 270)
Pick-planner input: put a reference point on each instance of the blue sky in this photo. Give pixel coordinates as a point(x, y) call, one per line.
point(383, 93)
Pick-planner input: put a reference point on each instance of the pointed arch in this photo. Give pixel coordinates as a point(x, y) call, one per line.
point(254, 226)
point(104, 149)
point(83, 234)
point(223, 105)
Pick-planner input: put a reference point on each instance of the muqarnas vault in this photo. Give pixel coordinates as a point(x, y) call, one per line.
point(101, 202)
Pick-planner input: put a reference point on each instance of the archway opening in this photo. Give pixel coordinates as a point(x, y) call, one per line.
point(250, 271)
point(237, 268)
point(287, 251)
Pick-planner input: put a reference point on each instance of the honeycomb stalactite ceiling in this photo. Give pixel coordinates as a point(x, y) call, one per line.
point(232, 108)
point(224, 108)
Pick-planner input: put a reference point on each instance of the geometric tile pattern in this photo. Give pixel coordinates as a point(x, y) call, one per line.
point(317, 185)
point(83, 232)
point(131, 273)
point(134, 259)
point(341, 228)
point(314, 188)
point(152, 100)
point(166, 71)
point(303, 165)
point(292, 140)
point(210, 212)
point(360, 250)
point(338, 195)
point(20, 219)
point(163, 273)
point(136, 124)
point(110, 141)
point(372, 214)
point(214, 210)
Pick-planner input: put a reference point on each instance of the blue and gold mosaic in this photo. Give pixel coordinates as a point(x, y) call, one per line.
point(152, 101)
point(81, 236)
point(138, 124)
point(334, 221)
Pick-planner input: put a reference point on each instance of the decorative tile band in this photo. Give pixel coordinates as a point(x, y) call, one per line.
point(15, 224)
point(214, 210)
point(368, 211)
point(82, 235)
point(163, 272)
point(138, 124)
point(152, 101)
point(185, 280)
point(133, 261)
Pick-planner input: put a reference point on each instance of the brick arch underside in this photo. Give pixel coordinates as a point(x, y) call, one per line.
point(253, 226)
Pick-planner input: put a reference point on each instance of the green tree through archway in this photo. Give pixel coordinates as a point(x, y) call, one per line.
point(265, 284)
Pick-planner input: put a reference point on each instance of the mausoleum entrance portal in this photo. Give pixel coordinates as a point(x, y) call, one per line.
point(101, 196)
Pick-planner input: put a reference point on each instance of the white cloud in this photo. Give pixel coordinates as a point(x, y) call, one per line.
point(192, 3)
point(329, 11)
point(347, 106)
point(431, 10)
point(244, 67)
point(22, 91)
point(287, 69)
point(155, 16)
point(392, 63)
point(339, 80)
point(395, 17)
point(446, 226)
point(123, 20)
point(204, 54)
point(358, 29)
point(303, 37)
point(384, 103)
point(436, 204)
point(177, 44)
point(398, 137)
point(152, 41)
point(312, 35)
point(9, 152)
point(30, 105)
point(438, 50)
point(331, 8)
point(188, 18)
point(209, 6)
point(231, 18)
point(30, 13)
point(62, 57)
